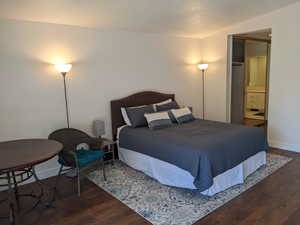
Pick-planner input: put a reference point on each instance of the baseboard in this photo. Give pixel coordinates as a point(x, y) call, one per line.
point(284, 146)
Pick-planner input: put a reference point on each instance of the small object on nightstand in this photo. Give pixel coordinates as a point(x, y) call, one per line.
point(98, 128)
point(107, 144)
point(109, 149)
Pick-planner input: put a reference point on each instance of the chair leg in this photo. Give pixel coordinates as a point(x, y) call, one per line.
point(56, 181)
point(58, 176)
point(103, 168)
point(78, 182)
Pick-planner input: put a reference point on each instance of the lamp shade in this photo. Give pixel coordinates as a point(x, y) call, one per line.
point(202, 66)
point(98, 128)
point(63, 68)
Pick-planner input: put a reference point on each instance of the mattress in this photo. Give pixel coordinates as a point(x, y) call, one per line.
point(205, 149)
point(169, 174)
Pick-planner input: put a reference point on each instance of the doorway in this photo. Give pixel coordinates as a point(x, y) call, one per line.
point(250, 78)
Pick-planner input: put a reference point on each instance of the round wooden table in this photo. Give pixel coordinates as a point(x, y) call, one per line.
point(17, 161)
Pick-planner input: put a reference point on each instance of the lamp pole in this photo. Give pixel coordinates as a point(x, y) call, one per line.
point(203, 98)
point(203, 67)
point(64, 69)
point(66, 98)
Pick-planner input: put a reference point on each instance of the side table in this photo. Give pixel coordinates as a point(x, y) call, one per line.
point(109, 149)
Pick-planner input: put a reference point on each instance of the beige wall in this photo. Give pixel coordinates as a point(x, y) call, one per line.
point(111, 64)
point(106, 65)
point(284, 108)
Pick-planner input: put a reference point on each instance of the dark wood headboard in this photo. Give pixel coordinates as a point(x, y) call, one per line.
point(141, 98)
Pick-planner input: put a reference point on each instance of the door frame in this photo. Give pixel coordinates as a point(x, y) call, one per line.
point(229, 76)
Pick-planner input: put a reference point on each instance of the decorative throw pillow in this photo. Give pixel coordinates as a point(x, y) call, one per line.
point(168, 107)
point(183, 115)
point(124, 113)
point(158, 120)
point(161, 103)
point(136, 115)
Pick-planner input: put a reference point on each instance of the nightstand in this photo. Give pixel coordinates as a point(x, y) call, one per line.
point(109, 148)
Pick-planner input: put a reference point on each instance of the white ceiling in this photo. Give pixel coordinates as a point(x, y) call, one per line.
point(188, 18)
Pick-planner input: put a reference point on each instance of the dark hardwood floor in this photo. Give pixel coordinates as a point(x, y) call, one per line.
point(274, 201)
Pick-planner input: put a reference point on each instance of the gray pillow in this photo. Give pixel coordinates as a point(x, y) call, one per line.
point(168, 107)
point(136, 115)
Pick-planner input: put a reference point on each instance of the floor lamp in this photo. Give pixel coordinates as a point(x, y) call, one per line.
point(64, 69)
point(203, 68)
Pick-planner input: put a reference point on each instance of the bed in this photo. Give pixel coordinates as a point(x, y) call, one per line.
point(204, 155)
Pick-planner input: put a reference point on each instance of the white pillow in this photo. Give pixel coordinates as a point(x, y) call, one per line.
point(125, 116)
point(161, 103)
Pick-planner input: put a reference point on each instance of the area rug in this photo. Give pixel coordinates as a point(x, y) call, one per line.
point(164, 205)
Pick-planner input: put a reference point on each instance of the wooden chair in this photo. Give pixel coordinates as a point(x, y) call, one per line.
point(78, 160)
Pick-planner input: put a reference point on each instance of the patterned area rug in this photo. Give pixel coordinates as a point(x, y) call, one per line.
point(164, 205)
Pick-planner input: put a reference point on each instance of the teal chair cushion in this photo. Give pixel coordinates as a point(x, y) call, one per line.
point(85, 157)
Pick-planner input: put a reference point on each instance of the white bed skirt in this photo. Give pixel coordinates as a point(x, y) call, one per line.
point(172, 175)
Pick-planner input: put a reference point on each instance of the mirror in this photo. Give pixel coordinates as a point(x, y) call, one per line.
point(256, 64)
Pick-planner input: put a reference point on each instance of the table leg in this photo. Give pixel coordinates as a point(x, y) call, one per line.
point(11, 200)
point(43, 187)
point(14, 197)
point(16, 190)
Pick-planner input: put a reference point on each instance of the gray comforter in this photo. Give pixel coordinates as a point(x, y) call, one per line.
point(204, 148)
